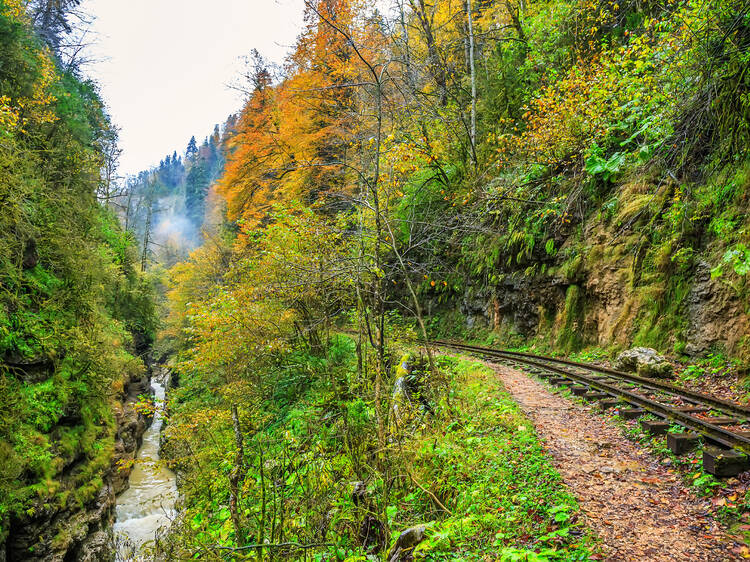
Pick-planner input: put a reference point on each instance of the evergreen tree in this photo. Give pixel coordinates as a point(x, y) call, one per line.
point(196, 187)
point(192, 149)
point(52, 19)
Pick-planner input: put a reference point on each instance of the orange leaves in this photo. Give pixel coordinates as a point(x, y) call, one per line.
point(14, 8)
point(293, 137)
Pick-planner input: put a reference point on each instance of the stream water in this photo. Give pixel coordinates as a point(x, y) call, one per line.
point(149, 502)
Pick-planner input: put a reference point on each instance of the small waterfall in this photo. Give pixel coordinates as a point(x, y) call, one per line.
point(149, 502)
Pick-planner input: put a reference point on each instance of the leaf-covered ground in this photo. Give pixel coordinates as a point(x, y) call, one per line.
point(637, 506)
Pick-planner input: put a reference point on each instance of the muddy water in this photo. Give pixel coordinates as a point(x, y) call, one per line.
point(149, 502)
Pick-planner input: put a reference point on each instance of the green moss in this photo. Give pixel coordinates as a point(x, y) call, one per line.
point(571, 268)
point(569, 325)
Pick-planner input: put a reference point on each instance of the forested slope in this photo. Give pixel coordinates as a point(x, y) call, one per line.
point(599, 165)
point(560, 173)
point(166, 207)
point(76, 313)
point(554, 173)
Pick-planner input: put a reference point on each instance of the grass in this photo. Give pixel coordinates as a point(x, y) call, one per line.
point(506, 499)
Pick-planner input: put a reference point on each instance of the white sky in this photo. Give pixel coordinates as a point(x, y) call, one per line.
point(165, 65)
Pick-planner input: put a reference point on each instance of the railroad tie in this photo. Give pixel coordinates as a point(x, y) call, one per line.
point(654, 427)
point(723, 421)
point(724, 463)
point(631, 413)
point(609, 403)
point(681, 443)
point(579, 389)
point(693, 409)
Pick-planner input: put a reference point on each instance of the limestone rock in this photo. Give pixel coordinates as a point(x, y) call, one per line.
point(645, 361)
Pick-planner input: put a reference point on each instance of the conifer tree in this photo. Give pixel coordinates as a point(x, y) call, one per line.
point(192, 148)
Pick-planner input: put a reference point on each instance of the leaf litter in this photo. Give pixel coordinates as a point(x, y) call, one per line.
point(639, 509)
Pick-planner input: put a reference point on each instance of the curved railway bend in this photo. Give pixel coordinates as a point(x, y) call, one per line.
point(722, 426)
point(635, 504)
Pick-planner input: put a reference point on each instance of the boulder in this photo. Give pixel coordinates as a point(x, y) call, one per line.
point(644, 361)
point(406, 543)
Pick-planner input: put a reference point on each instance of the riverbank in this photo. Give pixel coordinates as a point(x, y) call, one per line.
point(470, 479)
point(147, 506)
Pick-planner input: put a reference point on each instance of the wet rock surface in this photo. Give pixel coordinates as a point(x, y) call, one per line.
point(516, 304)
point(131, 425)
point(407, 541)
point(615, 299)
point(81, 533)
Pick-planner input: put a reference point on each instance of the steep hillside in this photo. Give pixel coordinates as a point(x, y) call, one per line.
point(76, 315)
point(559, 173)
point(609, 207)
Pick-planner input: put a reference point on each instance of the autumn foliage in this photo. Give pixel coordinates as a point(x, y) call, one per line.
point(379, 183)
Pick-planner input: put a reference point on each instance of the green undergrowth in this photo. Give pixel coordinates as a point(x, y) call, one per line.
point(508, 498)
point(473, 472)
point(76, 312)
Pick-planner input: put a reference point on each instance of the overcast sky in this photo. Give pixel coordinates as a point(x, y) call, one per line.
point(166, 64)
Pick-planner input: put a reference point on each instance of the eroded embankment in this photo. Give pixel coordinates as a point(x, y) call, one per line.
point(83, 532)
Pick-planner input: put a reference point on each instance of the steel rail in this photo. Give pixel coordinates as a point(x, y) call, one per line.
point(714, 433)
point(691, 395)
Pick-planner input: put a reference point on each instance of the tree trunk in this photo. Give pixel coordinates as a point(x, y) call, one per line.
point(237, 475)
point(472, 70)
point(437, 69)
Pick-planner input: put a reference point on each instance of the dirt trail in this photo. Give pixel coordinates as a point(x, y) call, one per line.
point(639, 508)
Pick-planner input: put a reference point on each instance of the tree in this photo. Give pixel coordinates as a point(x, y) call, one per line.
point(52, 19)
point(192, 148)
point(196, 188)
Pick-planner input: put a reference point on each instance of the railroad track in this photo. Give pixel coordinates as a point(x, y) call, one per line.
point(722, 426)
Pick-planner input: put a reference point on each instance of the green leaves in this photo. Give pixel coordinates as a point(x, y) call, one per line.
point(561, 513)
point(606, 168)
point(524, 555)
point(738, 258)
point(549, 247)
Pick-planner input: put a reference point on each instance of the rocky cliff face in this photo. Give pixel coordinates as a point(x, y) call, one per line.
point(603, 294)
point(82, 532)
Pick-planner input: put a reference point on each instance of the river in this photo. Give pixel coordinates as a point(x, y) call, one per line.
point(148, 504)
